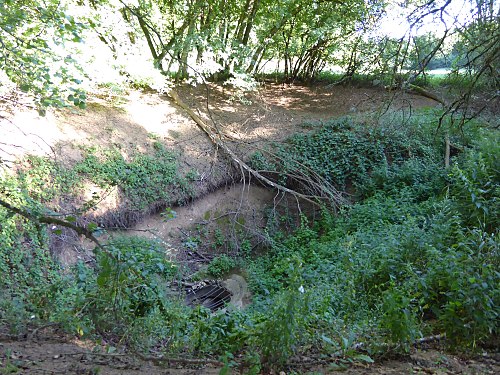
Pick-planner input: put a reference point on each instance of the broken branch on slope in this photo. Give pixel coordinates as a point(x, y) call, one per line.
point(425, 93)
point(217, 141)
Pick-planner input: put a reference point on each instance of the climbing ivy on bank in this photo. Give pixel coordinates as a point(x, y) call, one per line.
point(345, 151)
point(144, 180)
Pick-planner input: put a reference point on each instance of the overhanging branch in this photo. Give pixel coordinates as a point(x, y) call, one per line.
point(334, 197)
point(51, 220)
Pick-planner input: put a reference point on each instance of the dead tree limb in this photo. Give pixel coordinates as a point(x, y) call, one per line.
point(51, 220)
point(421, 91)
point(217, 141)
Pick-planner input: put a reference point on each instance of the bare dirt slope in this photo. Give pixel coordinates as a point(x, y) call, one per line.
point(134, 120)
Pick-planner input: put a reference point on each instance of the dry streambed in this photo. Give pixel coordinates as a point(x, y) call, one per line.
point(215, 225)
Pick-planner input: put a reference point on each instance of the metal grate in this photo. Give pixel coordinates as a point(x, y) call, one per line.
point(210, 294)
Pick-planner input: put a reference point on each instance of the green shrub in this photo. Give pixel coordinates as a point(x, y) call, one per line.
point(167, 327)
point(399, 318)
point(404, 261)
point(218, 333)
point(461, 288)
point(476, 183)
point(220, 266)
point(279, 332)
point(131, 279)
point(426, 178)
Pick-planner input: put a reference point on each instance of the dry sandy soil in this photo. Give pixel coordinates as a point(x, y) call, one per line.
point(48, 352)
point(134, 121)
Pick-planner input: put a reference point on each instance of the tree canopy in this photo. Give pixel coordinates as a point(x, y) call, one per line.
point(33, 34)
point(230, 39)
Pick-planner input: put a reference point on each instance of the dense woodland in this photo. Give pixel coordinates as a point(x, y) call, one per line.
point(404, 246)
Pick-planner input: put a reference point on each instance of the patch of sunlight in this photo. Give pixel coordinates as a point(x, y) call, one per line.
point(227, 108)
point(25, 132)
point(100, 199)
point(154, 118)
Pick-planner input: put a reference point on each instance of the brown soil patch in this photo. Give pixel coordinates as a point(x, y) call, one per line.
point(432, 361)
point(50, 352)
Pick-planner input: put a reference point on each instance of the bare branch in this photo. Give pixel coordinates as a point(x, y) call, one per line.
point(51, 220)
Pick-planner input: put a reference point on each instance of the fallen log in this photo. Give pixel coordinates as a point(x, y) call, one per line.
point(421, 91)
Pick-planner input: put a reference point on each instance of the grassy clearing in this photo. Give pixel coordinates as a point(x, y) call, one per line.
point(451, 81)
point(416, 255)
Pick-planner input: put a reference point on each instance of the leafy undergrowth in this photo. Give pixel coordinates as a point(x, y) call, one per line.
point(144, 181)
point(415, 256)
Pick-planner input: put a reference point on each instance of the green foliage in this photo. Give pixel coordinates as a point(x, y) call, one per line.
point(25, 260)
point(45, 180)
point(465, 284)
point(33, 34)
point(356, 80)
point(425, 177)
point(342, 151)
point(399, 317)
point(278, 336)
point(345, 351)
point(131, 281)
point(220, 266)
point(143, 179)
point(168, 327)
point(476, 183)
point(13, 312)
point(392, 265)
point(26, 264)
point(218, 333)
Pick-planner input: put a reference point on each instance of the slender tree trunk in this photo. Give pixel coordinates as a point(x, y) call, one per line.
point(240, 27)
point(259, 52)
point(250, 22)
point(186, 49)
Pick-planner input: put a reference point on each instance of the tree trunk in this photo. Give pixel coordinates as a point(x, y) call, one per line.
point(186, 49)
